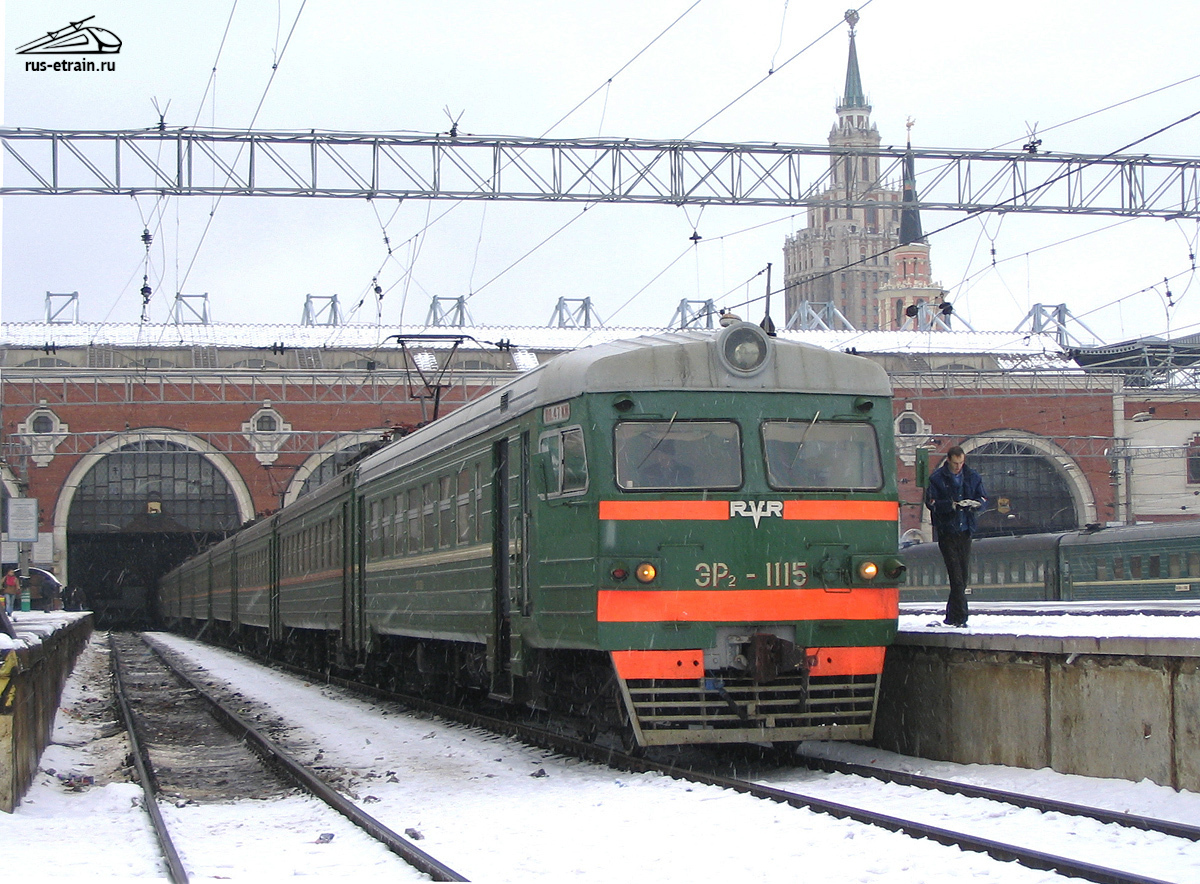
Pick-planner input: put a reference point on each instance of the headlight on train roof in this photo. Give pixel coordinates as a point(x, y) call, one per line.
point(744, 348)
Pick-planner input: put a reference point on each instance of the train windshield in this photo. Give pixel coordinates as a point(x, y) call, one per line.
point(678, 454)
point(822, 455)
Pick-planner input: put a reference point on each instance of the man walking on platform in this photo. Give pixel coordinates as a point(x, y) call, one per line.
point(954, 495)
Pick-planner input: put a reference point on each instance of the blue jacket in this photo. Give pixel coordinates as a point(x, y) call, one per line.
point(941, 495)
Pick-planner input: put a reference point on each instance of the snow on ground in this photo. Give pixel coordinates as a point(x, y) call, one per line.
point(1054, 625)
point(489, 807)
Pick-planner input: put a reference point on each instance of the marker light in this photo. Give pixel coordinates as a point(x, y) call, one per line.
point(646, 572)
point(868, 570)
point(619, 574)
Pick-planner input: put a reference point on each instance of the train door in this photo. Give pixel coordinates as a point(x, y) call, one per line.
point(353, 586)
point(508, 556)
point(275, 569)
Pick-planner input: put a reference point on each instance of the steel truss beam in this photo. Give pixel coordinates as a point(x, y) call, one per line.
point(381, 166)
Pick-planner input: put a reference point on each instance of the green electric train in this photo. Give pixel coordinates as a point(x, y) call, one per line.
point(689, 537)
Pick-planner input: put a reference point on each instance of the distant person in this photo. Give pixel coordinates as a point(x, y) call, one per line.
point(954, 495)
point(46, 591)
point(74, 598)
point(12, 589)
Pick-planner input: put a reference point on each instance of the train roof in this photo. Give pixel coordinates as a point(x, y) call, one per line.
point(1078, 538)
point(688, 359)
point(1134, 533)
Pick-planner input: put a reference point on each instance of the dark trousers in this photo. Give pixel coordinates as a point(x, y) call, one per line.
point(956, 553)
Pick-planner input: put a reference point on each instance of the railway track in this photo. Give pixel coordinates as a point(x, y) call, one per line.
point(947, 833)
point(189, 745)
point(1046, 805)
point(538, 735)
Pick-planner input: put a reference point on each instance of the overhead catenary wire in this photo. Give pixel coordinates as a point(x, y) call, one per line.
point(604, 86)
point(249, 127)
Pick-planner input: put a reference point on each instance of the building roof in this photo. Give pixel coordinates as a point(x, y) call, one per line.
point(36, 335)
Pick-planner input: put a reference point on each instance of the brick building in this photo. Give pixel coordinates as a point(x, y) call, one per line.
point(140, 453)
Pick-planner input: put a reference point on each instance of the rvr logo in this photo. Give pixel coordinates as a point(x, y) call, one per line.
point(756, 509)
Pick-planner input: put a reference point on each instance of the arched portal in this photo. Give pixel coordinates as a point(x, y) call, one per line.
point(1033, 485)
point(136, 507)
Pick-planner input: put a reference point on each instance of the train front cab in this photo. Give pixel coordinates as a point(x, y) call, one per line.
point(749, 591)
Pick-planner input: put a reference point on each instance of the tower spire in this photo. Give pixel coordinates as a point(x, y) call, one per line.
point(853, 96)
point(910, 215)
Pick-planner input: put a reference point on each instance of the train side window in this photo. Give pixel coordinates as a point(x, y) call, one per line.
point(385, 531)
point(574, 461)
point(567, 461)
point(414, 520)
point(398, 523)
point(429, 515)
point(1118, 568)
point(445, 512)
point(1154, 567)
point(463, 502)
point(1103, 571)
point(1173, 566)
point(1135, 567)
point(1194, 564)
point(654, 455)
point(373, 536)
point(477, 507)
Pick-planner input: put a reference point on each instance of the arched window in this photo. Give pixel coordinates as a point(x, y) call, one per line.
point(1193, 461)
point(154, 485)
point(334, 464)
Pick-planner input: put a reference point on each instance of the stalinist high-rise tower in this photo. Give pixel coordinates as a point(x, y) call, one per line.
point(869, 263)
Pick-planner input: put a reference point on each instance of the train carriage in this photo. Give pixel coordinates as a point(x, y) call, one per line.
point(1126, 562)
point(692, 534)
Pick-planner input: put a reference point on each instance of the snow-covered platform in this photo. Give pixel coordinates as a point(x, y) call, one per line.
point(33, 668)
point(1100, 692)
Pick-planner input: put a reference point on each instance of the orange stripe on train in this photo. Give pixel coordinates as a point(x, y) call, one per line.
point(664, 509)
point(866, 510)
point(659, 664)
point(689, 664)
point(718, 510)
point(740, 605)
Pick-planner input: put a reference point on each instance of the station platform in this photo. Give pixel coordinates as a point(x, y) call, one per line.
point(33, 669)
point(1108, 690)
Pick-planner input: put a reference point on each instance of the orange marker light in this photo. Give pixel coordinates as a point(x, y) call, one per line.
point(646, 572)
point(868, 570)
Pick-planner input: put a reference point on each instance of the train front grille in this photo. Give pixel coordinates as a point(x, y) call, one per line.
point(672, 712)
